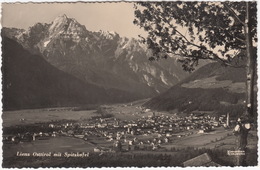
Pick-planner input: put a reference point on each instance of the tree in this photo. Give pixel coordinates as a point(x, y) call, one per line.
point(193, 31)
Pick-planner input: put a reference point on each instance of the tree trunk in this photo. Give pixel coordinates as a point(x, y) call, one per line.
point(250, 66)
point(250, 71)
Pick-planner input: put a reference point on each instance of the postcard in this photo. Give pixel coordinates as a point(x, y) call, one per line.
point(129, 84)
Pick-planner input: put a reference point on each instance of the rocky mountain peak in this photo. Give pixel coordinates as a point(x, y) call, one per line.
point(63, 16)
point(36, 29)
point(65, 25)
point(108, 34)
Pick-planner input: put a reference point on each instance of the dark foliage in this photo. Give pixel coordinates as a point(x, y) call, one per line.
point(195, 30)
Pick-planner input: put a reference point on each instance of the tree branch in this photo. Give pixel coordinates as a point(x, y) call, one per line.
point(235, 66)
point(234, 14)
point(240, 39)
point(207, 52)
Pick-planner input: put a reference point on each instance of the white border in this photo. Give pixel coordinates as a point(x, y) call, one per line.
point(163, 168)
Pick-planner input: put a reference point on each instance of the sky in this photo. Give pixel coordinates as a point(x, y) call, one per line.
point(107, 16)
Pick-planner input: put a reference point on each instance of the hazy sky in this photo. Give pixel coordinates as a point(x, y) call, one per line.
point(116, 17)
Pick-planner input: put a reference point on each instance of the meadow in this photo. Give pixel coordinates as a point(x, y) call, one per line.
point(24, 117)
point(53, 144)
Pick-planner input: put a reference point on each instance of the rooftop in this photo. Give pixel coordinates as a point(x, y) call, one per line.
point(201, 160)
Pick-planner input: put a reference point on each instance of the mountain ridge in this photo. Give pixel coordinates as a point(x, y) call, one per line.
point(212, 87)
point(101, 58)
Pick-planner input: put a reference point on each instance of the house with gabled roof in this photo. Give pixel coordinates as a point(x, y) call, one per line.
point(202, 160)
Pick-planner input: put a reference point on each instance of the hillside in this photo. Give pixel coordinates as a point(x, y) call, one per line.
point(212, 87)
point(29, 81)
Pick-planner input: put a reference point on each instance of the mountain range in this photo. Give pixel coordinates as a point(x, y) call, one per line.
point(29, 81)
point(63, 64)
point(101, 58)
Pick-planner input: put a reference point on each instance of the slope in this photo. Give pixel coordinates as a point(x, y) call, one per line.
point(212, 87)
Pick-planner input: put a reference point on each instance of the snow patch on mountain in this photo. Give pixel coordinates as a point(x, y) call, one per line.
point(124, 47)
point(108, 34)
point(151, 69)
point(134, 67)
point(46, 43)
point(147, 79)
point(164, 80)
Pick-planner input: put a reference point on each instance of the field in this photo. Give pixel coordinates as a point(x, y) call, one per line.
point(23, 117)
point(129, 111)
point(54, 144)
point(220, 138)
point(202, 139)
point(211, 82)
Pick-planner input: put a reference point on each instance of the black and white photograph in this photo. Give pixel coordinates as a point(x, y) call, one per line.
point(129, 84)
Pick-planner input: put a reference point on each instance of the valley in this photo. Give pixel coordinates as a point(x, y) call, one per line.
point(139, 131)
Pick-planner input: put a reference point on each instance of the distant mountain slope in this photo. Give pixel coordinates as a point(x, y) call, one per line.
point(29, 81)
point(101, 58)
point(211, 88)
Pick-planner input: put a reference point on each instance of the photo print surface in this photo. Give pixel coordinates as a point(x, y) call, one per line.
point(129, 84)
